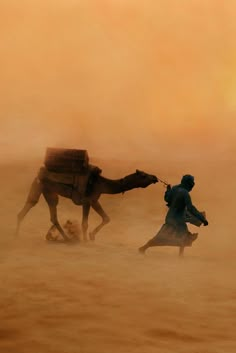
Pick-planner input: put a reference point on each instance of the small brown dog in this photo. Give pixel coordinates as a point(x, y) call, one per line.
point(72, 229)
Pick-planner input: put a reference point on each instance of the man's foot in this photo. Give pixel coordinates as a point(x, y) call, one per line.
point(142, 250)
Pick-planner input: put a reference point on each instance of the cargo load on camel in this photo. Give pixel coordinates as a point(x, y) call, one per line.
point(70, 167)
point(64, 160)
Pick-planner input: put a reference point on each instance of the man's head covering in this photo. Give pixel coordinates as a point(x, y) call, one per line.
point(188, 181)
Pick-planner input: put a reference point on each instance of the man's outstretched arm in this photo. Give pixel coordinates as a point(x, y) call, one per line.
point(192, 209)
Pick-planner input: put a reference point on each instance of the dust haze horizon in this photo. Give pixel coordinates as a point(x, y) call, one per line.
point(122, 79)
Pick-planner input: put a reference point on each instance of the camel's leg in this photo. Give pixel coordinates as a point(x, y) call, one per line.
point(181, 251)
point(32, 200)
point(86, 209)
point(49, 234)
point(52, 201)
point(105, 219)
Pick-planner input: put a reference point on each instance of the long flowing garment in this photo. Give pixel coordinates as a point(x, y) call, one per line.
point(173, 235)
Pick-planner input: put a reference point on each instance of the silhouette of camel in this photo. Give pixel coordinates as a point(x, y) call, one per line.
point(97, 185)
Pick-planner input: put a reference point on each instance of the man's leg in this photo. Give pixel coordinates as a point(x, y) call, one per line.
point(157, 240)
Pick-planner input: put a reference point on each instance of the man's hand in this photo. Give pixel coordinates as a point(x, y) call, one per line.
point(205, 223)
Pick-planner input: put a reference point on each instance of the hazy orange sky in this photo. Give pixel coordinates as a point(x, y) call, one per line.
point(122, 78)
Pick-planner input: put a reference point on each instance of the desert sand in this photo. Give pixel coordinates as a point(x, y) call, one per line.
point(139, 84)
point(103, 296)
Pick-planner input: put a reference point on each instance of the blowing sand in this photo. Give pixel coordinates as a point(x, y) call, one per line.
point(102, 296)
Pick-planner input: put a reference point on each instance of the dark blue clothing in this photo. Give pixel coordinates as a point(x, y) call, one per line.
point(175, 231)
point(179, 201)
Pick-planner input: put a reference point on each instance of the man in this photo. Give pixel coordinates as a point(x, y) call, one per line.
point(175, 231)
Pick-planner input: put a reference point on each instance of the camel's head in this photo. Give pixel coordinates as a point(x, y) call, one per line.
point(140, 179)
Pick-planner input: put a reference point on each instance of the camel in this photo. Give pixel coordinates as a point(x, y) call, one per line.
point(99, 185)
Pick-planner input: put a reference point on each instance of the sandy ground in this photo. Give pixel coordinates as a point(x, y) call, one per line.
point(104, 297)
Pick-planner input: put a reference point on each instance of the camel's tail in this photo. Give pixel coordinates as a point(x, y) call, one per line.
point(32, 200)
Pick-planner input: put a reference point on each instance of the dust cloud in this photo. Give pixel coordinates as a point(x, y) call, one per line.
point(147, 85)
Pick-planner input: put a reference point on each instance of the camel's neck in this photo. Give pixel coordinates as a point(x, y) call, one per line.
point(109, 186)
